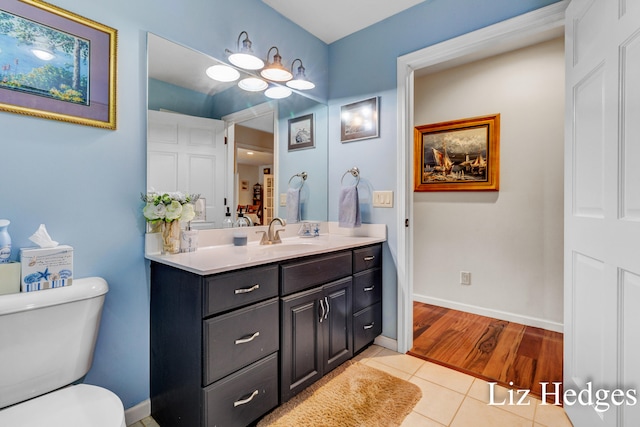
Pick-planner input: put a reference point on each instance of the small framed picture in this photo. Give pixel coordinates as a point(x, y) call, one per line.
point(266, 171)
point(301, 133)
point(359, 120)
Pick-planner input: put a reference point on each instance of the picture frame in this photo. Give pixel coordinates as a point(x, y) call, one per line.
point(359, 120)
point(65, 70)
point(458, 155)
point(301, 133)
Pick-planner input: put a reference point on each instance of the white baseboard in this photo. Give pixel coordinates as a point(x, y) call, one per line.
point(136, 413)
point(386, 342)
point(497, 314)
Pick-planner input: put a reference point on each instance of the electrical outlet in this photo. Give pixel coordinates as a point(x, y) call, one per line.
point(465, 278)
point(383, 199)
point(283, 199)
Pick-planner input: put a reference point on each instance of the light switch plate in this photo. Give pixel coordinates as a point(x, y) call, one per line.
point(383, 199)
point(283, 199)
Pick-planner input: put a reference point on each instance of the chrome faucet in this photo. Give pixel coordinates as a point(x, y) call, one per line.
point(269, 237)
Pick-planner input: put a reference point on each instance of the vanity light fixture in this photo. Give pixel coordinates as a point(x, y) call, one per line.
point(277, 92)
point(243, 57)
point(222, 73)
point(252, 84)
point(275, 71)
point(300, 80)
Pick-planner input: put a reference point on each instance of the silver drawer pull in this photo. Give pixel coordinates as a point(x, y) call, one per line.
point(369, 289)
point(247, 290)
point(369, 258)
point(247, 400)
point(369, 326)
point(248, 339)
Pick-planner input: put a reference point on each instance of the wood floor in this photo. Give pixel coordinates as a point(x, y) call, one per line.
point(514, 355)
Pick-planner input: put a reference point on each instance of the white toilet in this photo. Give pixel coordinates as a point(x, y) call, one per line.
point(47, 340)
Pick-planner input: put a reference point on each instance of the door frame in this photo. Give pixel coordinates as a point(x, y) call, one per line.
point(534, 27)
point(269, 107)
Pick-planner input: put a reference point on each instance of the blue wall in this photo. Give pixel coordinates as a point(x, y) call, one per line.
point(84, 183)
point(178, 99)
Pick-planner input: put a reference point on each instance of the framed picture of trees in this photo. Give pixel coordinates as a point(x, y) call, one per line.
point(56, 65)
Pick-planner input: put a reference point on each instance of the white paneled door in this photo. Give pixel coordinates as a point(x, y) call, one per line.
point(602, 213)
point(188, 154)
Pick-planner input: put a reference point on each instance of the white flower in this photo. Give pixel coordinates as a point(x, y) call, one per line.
point(174, 210)
point(188, 212)
point(154, 212)
point(168, 207)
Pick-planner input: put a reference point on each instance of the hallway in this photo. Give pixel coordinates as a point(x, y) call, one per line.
point(494, 350)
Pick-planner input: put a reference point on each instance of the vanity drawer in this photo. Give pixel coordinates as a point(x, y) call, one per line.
point(230, 290)
point(243, 397)
point(301, 275)
point(367, 289)
point(367, 324)
point(366, 258)
point(239, 338)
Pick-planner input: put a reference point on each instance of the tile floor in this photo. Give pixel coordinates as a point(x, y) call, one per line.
point(451, 398)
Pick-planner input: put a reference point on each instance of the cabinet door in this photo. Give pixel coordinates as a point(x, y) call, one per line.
point(336, 321)
point(301, 363)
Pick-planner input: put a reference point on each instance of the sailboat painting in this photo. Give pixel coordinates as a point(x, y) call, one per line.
point(459, 155)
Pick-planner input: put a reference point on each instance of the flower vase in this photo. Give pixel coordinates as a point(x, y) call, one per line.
point(171, 237)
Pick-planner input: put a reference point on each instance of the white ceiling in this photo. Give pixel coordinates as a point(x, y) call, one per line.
point(331, 20)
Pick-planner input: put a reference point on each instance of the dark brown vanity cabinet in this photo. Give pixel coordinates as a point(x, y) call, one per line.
point(214, 346)
point(227, 348)
point(367, 295)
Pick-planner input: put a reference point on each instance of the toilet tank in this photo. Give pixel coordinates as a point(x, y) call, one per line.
point(47, 338)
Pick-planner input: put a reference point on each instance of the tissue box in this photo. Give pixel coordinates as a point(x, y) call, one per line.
point(9, 278)
point(45, 268)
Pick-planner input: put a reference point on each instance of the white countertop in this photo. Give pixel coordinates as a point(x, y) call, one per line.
point(226, 257)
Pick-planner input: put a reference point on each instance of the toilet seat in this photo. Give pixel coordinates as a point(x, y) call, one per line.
point(75, 406)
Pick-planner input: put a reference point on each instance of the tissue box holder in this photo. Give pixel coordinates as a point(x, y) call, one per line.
point(46, 268)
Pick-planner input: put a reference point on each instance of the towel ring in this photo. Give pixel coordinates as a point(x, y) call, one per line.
point(301, 175)
point(355, 172)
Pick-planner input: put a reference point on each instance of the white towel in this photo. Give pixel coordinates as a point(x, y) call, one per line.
point(349, 208)
point(293, 205)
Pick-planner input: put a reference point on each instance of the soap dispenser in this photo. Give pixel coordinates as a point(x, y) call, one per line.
point(243, 221)
point(228, 222)
point(240, 237)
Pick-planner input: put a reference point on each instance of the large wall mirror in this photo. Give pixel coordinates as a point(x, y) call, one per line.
point(189, 116)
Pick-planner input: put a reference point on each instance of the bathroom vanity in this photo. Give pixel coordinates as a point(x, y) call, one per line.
point(236, 331)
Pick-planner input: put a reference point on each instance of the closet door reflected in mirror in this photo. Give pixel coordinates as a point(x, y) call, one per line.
point(186, 153)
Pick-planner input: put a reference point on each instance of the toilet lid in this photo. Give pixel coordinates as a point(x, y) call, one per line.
point(75, 406)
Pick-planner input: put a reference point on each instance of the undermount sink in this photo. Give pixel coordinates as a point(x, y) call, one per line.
point(290, 246)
